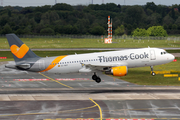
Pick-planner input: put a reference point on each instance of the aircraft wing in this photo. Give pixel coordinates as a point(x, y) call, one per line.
point(101, 66)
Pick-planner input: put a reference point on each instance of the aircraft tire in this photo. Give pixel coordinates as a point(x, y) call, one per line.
point(98, 80)
point(153, 74)
point(94, 77)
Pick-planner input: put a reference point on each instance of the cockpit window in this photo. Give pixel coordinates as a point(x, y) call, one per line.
point(162, 53)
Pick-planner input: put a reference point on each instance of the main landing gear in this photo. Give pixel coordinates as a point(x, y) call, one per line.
point(152, 73)
point(96, 78)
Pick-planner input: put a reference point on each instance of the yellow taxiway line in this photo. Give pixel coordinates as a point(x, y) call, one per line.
point(55, 81)
point(98, 107)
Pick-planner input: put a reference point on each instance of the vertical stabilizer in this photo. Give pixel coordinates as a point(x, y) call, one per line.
point(20, 51)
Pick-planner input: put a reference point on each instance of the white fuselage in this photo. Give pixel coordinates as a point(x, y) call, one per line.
point(130, 58)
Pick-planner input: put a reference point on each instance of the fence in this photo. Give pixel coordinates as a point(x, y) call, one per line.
point(96, 37)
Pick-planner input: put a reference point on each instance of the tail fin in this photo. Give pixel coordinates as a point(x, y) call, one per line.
point(19, 50)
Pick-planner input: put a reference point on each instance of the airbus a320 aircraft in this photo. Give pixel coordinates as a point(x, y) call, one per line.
point(113, 62)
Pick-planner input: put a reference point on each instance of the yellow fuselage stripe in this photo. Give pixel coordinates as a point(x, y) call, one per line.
point(54, 63)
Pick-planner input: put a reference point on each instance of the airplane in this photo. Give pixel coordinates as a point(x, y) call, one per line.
point(112, 62)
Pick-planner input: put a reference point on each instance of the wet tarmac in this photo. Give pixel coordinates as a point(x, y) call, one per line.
point(41, 96)
point(117, 109)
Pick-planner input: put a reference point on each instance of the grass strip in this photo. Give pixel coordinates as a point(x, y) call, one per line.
point(91, 43)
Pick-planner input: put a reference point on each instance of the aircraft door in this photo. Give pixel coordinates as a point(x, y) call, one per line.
point(41, 65)
point(152, 55)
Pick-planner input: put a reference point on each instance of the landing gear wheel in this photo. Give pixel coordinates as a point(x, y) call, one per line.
point(94, 77)
point(98, 80)
point(153, 73)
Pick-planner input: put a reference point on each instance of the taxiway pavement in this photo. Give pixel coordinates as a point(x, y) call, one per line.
point(42, 96)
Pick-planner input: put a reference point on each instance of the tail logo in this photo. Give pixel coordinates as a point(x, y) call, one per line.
point(19, 52)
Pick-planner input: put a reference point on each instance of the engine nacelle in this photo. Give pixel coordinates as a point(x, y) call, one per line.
point(119, 71)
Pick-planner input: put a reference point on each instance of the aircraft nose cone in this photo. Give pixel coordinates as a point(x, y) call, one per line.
point(171, 57)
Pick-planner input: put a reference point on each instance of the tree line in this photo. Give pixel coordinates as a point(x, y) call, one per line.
point(89, 20)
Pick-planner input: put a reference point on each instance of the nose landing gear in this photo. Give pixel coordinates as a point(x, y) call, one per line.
point(152, 73)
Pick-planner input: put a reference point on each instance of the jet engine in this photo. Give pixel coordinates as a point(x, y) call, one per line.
point(118, 71)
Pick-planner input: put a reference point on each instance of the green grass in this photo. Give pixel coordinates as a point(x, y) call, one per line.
point(173, 51)
point(7, 54)
point(90, 43)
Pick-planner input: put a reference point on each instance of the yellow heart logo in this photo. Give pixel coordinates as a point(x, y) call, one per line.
point(19, 52)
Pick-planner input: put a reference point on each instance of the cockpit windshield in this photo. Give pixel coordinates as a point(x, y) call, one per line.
point(162, 53)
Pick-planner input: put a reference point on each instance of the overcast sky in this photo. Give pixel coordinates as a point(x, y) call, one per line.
point(25, 3)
